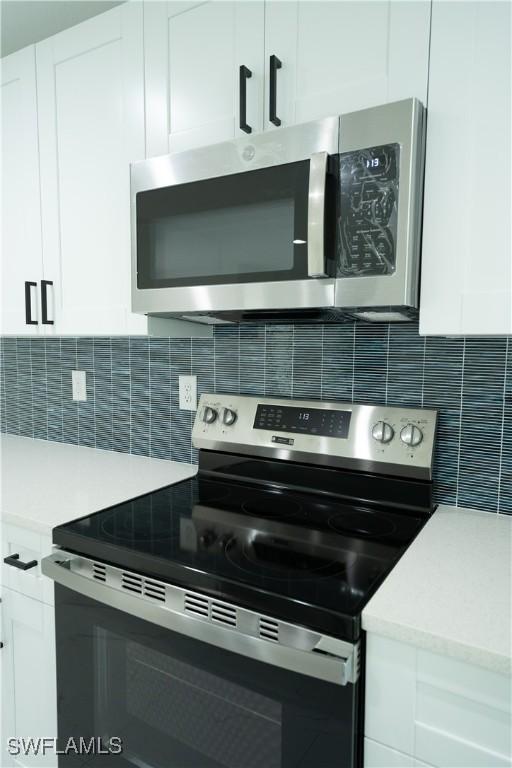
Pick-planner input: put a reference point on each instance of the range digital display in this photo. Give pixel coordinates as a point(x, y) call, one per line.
point(305, 421)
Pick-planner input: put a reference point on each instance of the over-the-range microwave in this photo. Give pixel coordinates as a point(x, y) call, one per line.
point(312, 222)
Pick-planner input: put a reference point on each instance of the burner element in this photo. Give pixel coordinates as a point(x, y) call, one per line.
point(140, 526)
point(271, 505)
point(275, 559)
point(362, 523)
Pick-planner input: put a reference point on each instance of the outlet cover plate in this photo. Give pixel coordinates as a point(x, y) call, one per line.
point(188, 393)
point(79, 384)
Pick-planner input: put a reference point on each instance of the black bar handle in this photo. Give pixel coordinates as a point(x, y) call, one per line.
point(44, 302)
point(28, 303)
point(245, 74)
point(275, 64)
point(15, 561)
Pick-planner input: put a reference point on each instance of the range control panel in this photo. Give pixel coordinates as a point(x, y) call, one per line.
point(367, 219)
point(383, 439)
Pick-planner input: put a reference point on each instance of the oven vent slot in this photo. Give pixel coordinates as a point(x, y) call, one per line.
point(154, 590)
point(224, 614)
point(99, 571)
point(131, 582)
point(197, 605)
point(269, 629)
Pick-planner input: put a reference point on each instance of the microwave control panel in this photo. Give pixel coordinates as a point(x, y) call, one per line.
point(367, 214)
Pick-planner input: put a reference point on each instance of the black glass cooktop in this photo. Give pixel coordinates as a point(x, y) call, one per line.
point(303, 557)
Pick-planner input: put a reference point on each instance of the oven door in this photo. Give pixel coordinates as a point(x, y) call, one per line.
point(145, 695)
point(229, 227)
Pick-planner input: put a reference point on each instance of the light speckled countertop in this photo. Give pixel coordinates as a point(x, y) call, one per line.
point(45, 484)
point(451, 592)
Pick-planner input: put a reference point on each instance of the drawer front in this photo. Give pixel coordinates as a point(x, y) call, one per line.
point(463, 713)
point(442, 711)
point(29, 547)
point(379, 756)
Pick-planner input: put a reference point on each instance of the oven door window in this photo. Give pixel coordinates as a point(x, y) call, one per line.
point(175, 702)
point(247, 227)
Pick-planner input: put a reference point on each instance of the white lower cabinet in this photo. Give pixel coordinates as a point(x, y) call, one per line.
point(440, 711)
point(27, 658)
point(29, 699)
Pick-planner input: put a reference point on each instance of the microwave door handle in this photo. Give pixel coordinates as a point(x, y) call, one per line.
point(316, 214)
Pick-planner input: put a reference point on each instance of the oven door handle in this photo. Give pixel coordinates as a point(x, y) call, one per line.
point(298, 649)
point(316, 214)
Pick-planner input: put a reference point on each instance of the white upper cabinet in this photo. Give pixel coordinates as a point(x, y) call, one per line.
point(339, 57)
point(466, 262)
point(91, 126)
point(194, 53)
point(306, 59)
point(21, 204)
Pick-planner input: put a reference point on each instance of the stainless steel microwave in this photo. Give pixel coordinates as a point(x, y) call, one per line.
point(311, 222)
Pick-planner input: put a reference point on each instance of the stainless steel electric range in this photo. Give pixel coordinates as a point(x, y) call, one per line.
point(217, 622)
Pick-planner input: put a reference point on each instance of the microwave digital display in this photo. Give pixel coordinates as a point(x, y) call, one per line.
point(306, 421)
point(367, 216)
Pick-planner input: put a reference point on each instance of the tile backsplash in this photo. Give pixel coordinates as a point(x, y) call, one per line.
point(132, 390)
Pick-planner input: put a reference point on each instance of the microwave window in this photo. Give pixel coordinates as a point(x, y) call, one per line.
point(246, 227)
point(184, 244)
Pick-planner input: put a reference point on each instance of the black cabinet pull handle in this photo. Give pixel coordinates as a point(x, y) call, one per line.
point(15, 561)
point(44, 302)
point(245, 74)
point(275, 64)
point(28, 303)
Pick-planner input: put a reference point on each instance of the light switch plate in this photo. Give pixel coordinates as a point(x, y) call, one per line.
point(78, 380)
point(188, 393)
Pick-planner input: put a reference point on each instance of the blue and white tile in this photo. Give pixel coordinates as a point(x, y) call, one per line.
point(68, 352)
point(160, 388)
point(54, 388)
point(140, 395)
point(405, 365)
point(121, 394)
point(278, 360)
point(338, 362)
point(227, 359)
point(103, 394)
point(370, 363)
point(25, 403)
point(87, 427)
point(252, 359)
point(11, 383)
point(307, 362)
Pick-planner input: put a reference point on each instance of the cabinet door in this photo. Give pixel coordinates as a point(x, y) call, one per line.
point(91, 124)
point(343, 56)
point(21, 203)
point(193, 55)
point(28, 675)
point(466, 262)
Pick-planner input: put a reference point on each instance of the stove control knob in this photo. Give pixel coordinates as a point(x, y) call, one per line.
point(411, 435)
point(382, 432)
point(229, 417)
point(209, 415)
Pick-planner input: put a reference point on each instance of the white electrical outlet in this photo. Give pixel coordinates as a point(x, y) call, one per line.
point(79, 383)
point(188, 393)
